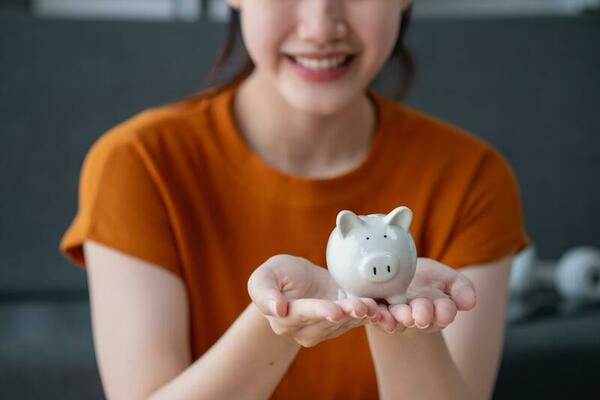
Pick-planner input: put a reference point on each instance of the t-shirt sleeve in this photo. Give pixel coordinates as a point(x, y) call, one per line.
point(490, 221)
point(121, 206)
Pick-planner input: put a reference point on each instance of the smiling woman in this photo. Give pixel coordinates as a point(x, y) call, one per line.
point(188, 208)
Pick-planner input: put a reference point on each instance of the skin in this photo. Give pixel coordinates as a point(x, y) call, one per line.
point(371, 28)
point(299, 126)
point(312, 130)
point(462, 359)
point(140, 313)
point(299, 299)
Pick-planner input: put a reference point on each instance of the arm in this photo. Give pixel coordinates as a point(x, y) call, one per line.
point(140, 327)
point(459, 363)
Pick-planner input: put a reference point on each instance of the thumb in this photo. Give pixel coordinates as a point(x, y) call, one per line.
point(265, 291)
point(463, 293)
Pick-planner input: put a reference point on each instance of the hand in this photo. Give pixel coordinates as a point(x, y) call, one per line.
point(299, 299)
point(436, 293)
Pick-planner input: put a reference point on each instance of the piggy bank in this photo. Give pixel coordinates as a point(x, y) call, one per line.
point(372, 255)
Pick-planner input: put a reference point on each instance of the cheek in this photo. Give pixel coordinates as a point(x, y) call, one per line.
point(263, 45)
point(378, 32)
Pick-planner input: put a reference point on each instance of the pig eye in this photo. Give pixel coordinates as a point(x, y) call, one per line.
point(384, 236)
point(367, 238)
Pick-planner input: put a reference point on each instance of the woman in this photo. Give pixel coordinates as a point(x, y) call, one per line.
point(187, 208)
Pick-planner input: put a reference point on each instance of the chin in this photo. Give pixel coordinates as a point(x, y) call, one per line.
point(322, 102)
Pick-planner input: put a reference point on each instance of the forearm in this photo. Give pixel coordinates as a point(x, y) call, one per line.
point(415, 367)
point(247, 362)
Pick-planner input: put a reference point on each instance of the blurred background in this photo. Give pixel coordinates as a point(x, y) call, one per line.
point(522, 74)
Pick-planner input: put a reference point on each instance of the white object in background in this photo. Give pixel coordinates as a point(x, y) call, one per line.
point(528, 273)
point(575, 276)
point(521, 271)
point(374, 255)
point(118, 9)
point(578, 274)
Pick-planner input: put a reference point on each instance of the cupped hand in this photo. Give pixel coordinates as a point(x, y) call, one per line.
point(434, 296)
point(300, 300)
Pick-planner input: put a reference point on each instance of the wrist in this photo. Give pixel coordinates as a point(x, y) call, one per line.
point(281, 340)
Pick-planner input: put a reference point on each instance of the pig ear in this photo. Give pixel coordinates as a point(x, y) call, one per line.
point(400, 216)
point(346, 220)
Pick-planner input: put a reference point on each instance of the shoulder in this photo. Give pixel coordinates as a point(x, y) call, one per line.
point(160, 128)
point(431, 129)
point(436, 140)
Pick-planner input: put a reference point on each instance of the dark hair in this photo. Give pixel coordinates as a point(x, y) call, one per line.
point(233, 37)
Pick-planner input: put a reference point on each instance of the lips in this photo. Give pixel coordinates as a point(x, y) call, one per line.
point(320, 55)
point(321, 69)
point(321, 63)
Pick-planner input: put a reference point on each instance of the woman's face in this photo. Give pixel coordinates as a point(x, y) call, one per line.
point(319, 54)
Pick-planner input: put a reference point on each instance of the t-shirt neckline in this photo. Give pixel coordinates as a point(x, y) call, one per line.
point(294, 189)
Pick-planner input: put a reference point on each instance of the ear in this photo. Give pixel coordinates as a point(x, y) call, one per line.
point(346, 220)
point(235, 4)
point(400, 216)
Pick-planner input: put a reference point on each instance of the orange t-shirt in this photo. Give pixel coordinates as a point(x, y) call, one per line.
point(177, 186)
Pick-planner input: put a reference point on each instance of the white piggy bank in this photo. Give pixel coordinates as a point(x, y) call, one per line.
point(373, 256)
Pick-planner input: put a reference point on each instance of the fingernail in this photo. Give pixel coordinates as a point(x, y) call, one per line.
point(422, 327)
point(273, 306)
point(411, 326)
point(357, 317)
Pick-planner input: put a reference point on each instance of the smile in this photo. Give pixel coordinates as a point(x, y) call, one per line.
point(321, 69)
point(321, 64)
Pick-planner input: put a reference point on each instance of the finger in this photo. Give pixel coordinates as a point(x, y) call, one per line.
point(312, 310)
point(316, 332)
point(324, 326)
point(304, 328)
point(403, 314)
point(265, 292)
point(346, 326)
point(415, 332)
point(387, 320)
point(463, 293)
point(353, 307)
point(445, 312)
point(422, 312)
point(373, 308)
point(277, 303)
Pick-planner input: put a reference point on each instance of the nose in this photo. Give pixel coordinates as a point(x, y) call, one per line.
point(321, 21)
point(379, 267)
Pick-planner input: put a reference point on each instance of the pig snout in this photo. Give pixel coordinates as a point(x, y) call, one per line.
point(378, 267)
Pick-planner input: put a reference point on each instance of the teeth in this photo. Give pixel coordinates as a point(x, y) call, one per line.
point(325, 63)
